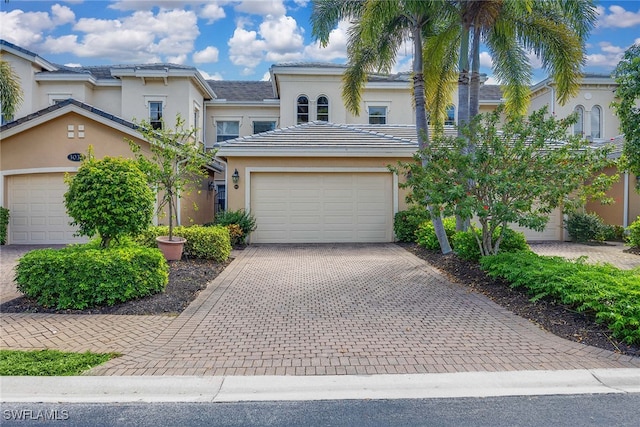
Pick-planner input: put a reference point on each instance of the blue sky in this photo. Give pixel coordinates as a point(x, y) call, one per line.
point(231, 40)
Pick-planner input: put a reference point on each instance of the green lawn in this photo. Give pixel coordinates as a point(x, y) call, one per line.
point(49, 362)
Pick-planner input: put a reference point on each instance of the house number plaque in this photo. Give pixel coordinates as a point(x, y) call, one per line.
point(75, 157)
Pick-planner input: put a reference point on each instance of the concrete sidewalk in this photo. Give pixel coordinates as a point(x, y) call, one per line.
point(281, 388)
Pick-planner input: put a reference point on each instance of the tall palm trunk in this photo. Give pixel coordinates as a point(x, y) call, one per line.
point(463, 99)
point(474, 88)
point(422, 128)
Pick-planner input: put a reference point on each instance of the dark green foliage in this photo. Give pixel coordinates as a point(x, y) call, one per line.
point(426, 234)
point(109, 197)
point(585, 227)
point(406, 223)
point(83, 276)
point(465, 243)
point(612, 233)
point(610, 294)
point(4, 222)
point(245, 220)
point(202, 242)
point(49, 362)
point(634, 234)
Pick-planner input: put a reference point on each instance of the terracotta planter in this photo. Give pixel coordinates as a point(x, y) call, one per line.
point(171, 249)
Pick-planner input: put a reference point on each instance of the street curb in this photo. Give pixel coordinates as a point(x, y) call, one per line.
point(130, 389)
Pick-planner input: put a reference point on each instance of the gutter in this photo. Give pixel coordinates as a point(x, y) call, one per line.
point(625, 212)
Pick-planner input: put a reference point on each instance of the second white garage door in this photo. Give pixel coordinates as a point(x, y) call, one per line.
point(322, 207)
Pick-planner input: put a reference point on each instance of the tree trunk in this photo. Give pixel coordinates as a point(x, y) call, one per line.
point(463, 100)
point(422, 128)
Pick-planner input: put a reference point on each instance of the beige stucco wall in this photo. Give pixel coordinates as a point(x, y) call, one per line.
point(236, 197)
point(244, 113)
point(46, 147)
point(25, 71)
point(614, 214)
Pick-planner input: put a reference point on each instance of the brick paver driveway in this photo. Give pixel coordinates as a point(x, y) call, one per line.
point(347, 309)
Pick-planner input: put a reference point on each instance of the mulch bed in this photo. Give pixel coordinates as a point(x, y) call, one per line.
point(555, 318)
point(186, 279)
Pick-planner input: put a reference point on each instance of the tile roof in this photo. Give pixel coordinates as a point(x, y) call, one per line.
point(242, 90)
point(105, 71)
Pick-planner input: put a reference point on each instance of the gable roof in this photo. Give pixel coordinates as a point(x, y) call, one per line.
point(230, 90)
point(27, 54)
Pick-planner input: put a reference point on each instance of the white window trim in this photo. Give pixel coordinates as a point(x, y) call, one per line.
point(57, 97)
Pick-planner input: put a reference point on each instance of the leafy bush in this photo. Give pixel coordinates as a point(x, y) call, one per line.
point(612, 233)
point(406, 223)
point(4, 222)
point(425, 235)
point(466, 246)
point(202, 242)
point(110, 197)
point(585, 227)
point(611, 294)
point(245, 220)
point(634, 233)
point(82, 276)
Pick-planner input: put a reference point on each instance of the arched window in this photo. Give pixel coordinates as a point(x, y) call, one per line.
point(596, 122)
point(323, 109)
point(578, 128)
point(451, 115)
point(303, 109)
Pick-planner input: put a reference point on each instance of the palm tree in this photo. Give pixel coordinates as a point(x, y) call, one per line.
point(10, 91)
point(379, 29)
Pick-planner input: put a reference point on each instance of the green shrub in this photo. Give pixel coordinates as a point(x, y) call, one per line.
point(611, 294)
point(83, 276)
point(425, 235)
point(406, 223)
point(245, 220)
point(634, 234)
point(585, 227)
point(202, 242)
point(4, 222)
point(109, 197)
point(466, 246)
point(612, 233)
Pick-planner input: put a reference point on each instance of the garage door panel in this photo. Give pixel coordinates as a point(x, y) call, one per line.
point(38, 214)
point(322, 207)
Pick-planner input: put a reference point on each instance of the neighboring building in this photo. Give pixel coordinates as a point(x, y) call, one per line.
point(308, 169)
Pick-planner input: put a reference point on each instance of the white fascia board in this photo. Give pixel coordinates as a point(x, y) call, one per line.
point(316, 153)
point(307, 70)
point(71, 77)
point(41, 62)
point(264, 102)
point(64, 110)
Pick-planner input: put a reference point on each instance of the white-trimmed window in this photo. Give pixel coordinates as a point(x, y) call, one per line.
point(596, 122)
point(56, 98)
point(302, 109)
point(451, 115)
point(155, 114)
point(196, 120)
point(578, 127)
point(377, 115)
point(322, 108)
point(260, 126)
point(227, 130)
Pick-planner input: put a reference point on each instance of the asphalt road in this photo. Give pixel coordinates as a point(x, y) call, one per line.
point(559, 410)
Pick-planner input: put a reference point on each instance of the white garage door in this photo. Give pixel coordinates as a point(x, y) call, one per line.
point(322, 207)
point(37, 212)
point(554, 230)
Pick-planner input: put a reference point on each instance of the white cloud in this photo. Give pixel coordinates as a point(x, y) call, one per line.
point(262, 7)
point(25, 28)
point(212, 12)
point(609, 48)
point(618, 17)
point(245, 49)
point(266, 77)
point(207, 76)
point(62, 15)
point(73, 65)
point(336, 47)
point(486, 60)
point(209, 54)
point(178, 59)
point(598, 60)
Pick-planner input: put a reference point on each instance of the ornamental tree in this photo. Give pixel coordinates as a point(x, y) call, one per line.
point(627, 75)
point(520, 171)
point(176, 163)
point(109, 197)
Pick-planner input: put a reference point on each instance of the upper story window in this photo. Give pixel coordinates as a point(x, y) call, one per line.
point(596, 122)
point(303, 109)
point(323, 109)
point(196, 122)
point(155, 114)
point(227, 130)
point(377, 115)
point(578, 127)
point(263, 126)
point(451, 115)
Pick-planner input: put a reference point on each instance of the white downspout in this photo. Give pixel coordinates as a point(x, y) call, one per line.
point(625, 213)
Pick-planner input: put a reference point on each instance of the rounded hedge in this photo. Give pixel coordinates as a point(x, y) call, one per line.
point(84, 276)
point(211, 242)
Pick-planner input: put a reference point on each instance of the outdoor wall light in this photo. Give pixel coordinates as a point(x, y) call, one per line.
point(235, 178)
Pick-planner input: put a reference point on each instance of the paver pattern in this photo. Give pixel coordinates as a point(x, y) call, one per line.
point(317, 310)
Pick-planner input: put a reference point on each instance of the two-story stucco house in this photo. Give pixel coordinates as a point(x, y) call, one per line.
point(287, 149)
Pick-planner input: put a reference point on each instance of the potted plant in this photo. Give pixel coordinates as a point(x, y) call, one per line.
point(175, 164)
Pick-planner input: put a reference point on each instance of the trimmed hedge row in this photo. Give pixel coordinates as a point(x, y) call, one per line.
point(83, 276)
point(202, 242)
point(613, 295)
